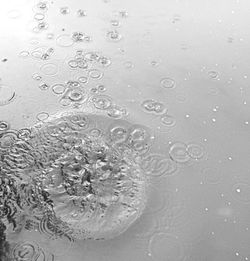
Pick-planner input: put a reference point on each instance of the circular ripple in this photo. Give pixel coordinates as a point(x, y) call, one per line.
point(157, 165)
point(101, 102)
point(241, 192)
point(164, 247)
point(58, 88)
point(195, 151)
point(168, 83)
point(26, 252)
point(178, 152)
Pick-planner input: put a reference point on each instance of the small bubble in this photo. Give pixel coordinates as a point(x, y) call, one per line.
point(114, 36)
point(44, 86)
point(101, 88)
point(168, 120)
point(115, 22)
point(241, 192)
point(80, 37)
point(81, 13)
point(42, 25)
point(213, 74)
point(42, 116)
point(168, 83)
point(4, 126)
point(95, 74)
point(73, 64)
point(195, 151)
point(58, 88)
point(102, 102)
point(83, 79)
point(104, 61)
point(39, 16)
point(116, 112)
point(64, 10)
point(178, 152)
point(50, 36)
point(37, 77)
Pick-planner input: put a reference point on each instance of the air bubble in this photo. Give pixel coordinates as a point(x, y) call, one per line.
point(178, 152)
point(64, 40)
point(42, 116)
point(115, 22)
point(81, 13)
point(168, 83)
point(44, 86)
point(168, 120)
point(83, 79)
point(195, 151)
point(64, 10)
point(50, 69)
point(116, 112)
point(241, 192)
point(37, 77)
point(73, 64)
point(101, 88)
point(213, 74)
point(113, 36)
point(102, 102)
point(95, 74)
point(4, 126)
point(7, 95)
point(58, 88)
point(39, 16)
point(104, 61)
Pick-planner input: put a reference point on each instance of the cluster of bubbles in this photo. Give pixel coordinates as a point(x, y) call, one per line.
point(158, 108)
point(80, 37)
point(68, 177)
point(40, 10)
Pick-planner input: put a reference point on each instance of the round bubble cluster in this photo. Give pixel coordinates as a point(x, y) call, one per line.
point(71, 178)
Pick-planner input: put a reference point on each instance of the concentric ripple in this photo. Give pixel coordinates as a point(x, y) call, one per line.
point(76, 184)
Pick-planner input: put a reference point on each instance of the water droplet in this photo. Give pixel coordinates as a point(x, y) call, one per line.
point(39, 16)
point(95, 74)
point(44, 86)
point(168, 120)
point(102, 102)
point(195, 151)
point(113, 36)
point(37, 77)
point(157, 165)
point(24, 54)
point(116, 112)
point(168, 83)
point(241, 192)
point(4, 126)
point(81, 13)
point(50, 69)
point(64, 40)
point(213, 74)
point(7, 95)
point(163, 245)
point(115, 22)
point(64, 10)
point(42, 116)
point(178, 152)
point(50, 36)
point(26, 251)
point(83, 79)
